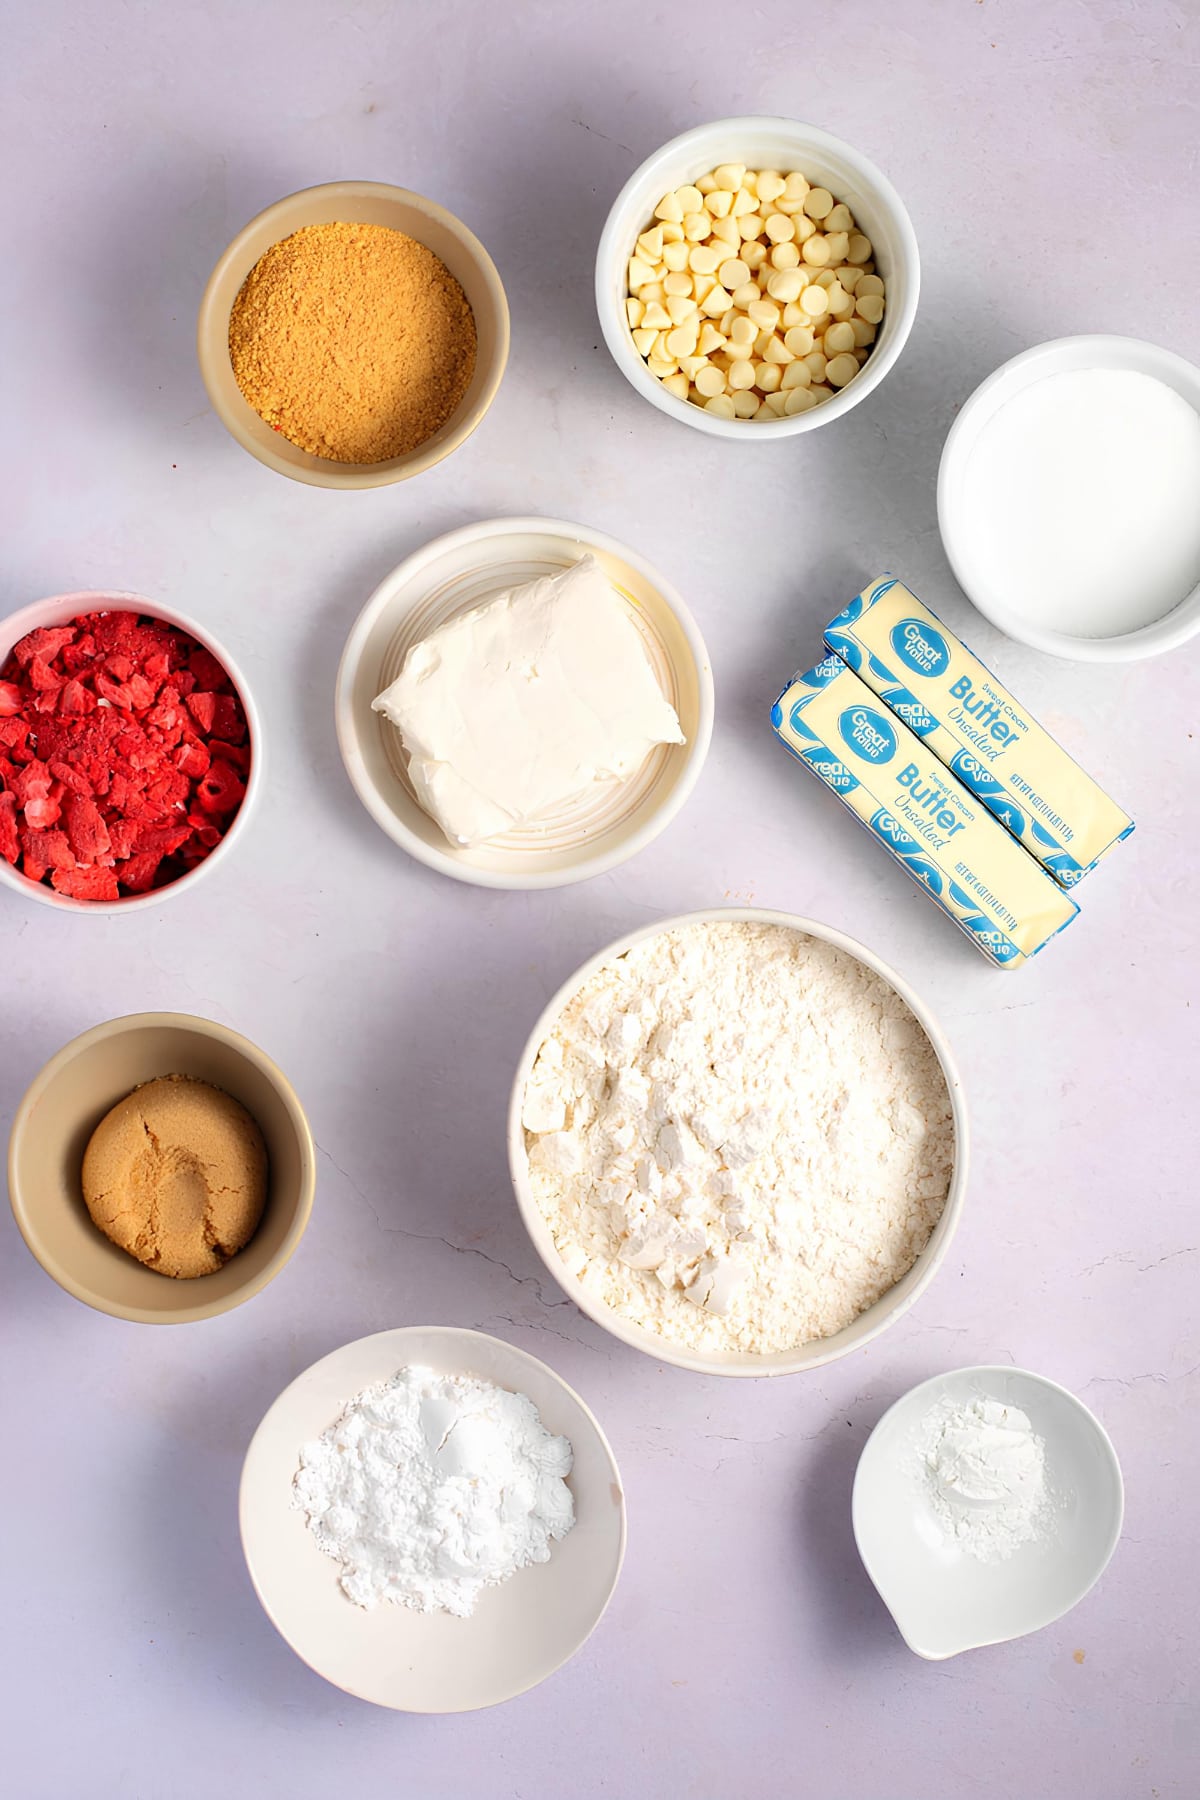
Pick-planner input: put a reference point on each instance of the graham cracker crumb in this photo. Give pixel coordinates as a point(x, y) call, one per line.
point(355, 342)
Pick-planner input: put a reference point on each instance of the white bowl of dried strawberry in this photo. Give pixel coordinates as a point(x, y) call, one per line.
point(130, 752)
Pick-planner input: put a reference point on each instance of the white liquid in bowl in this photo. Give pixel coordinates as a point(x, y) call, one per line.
point(1081, 502)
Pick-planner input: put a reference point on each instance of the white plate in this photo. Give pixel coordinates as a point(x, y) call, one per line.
point(945, 1600)
point(449, 577)
point(519, 1632)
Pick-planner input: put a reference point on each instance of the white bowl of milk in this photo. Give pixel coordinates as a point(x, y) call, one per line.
point(1069, 498)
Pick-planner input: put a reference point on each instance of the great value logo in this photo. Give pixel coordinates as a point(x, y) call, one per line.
point(868, 733)
point(920, 648)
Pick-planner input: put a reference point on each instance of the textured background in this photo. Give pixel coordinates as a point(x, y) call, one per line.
point(1048, 159)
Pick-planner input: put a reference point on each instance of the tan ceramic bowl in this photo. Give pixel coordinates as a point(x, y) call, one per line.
point(359, 203)
point(62, 1108)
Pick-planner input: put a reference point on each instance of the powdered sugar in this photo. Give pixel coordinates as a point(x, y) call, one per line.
point(430, 1488)
point(983, 1470)
point(739, 1135)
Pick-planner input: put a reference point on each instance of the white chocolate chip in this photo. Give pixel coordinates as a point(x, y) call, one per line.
point(842, 369)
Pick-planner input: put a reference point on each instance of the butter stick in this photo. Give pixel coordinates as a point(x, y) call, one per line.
point(940, 833)
point(959, 710)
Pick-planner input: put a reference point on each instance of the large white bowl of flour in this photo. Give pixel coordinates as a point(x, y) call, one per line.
point(738, 1141)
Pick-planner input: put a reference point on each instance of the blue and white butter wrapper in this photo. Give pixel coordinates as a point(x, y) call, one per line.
point(956, 706)
point(938, 830)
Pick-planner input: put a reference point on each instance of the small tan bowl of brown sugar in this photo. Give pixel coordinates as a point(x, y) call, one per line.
point(353, 335)
point(161, 1168)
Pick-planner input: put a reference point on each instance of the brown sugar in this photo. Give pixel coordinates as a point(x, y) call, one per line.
point(176, 1174)
point(353, 341)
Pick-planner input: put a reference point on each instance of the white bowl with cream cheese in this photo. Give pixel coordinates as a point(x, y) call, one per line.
point(1069, 499)
point(450, 577)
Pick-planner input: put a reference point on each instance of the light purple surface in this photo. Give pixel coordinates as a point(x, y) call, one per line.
point(1048, 160)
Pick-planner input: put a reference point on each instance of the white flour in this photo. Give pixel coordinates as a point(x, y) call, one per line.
point(739, 1136)
point(429, 1488)
point(984, 1472)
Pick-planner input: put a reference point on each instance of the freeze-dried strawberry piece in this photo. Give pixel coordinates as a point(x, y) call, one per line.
point(43, 811)
point(10, 699)
point(13, 732)
point(229, 721)
point(158, 667)
point(45, 641)
point(192, 760)
point(86, 829)
point(111, 630)
point(71, 777)
point(42, 677)
point(9, 844)
point(203, 708)
point(167, 791)
point(237, 754)
point(163, 839)
point(78, 655)
point(33, 783)
point(221, 789)
point(75, 699)
point(206, 669)
point(47, 850)
point(86, 884)
point(137, 873)
point(128, 695)
point(119, 665)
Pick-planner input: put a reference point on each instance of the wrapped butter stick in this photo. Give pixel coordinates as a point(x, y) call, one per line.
point(939, 832)
point(959, 710)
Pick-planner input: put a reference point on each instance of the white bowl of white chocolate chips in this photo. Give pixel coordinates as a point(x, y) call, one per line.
point(782, 252)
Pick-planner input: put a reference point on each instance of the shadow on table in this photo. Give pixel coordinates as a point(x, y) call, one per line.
point(854, 1624)
point(191, 1546)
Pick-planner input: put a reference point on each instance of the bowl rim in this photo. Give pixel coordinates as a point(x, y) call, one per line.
point(444, 860)
point(455, 1334)
point(213, 331)
point(122, 600)
point(984, 1372)
point(817, 1353)
point(614, 234)
point(1112, 350)
point(24, 1210)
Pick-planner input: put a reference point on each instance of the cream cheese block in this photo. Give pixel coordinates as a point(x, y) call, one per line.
point(517, 707)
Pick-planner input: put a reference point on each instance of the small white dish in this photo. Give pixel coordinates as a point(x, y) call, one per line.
point(761, 143)
point(1058, 357)
point(60, 610)
point(520, 1632)
point(886, 1310)
point(450, 576)
point(943, 1599)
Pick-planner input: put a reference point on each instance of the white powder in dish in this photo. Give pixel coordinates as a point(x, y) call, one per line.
point(1081, 502)
point(430, 1488)
point(739, 1136)
point(984, 1473)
